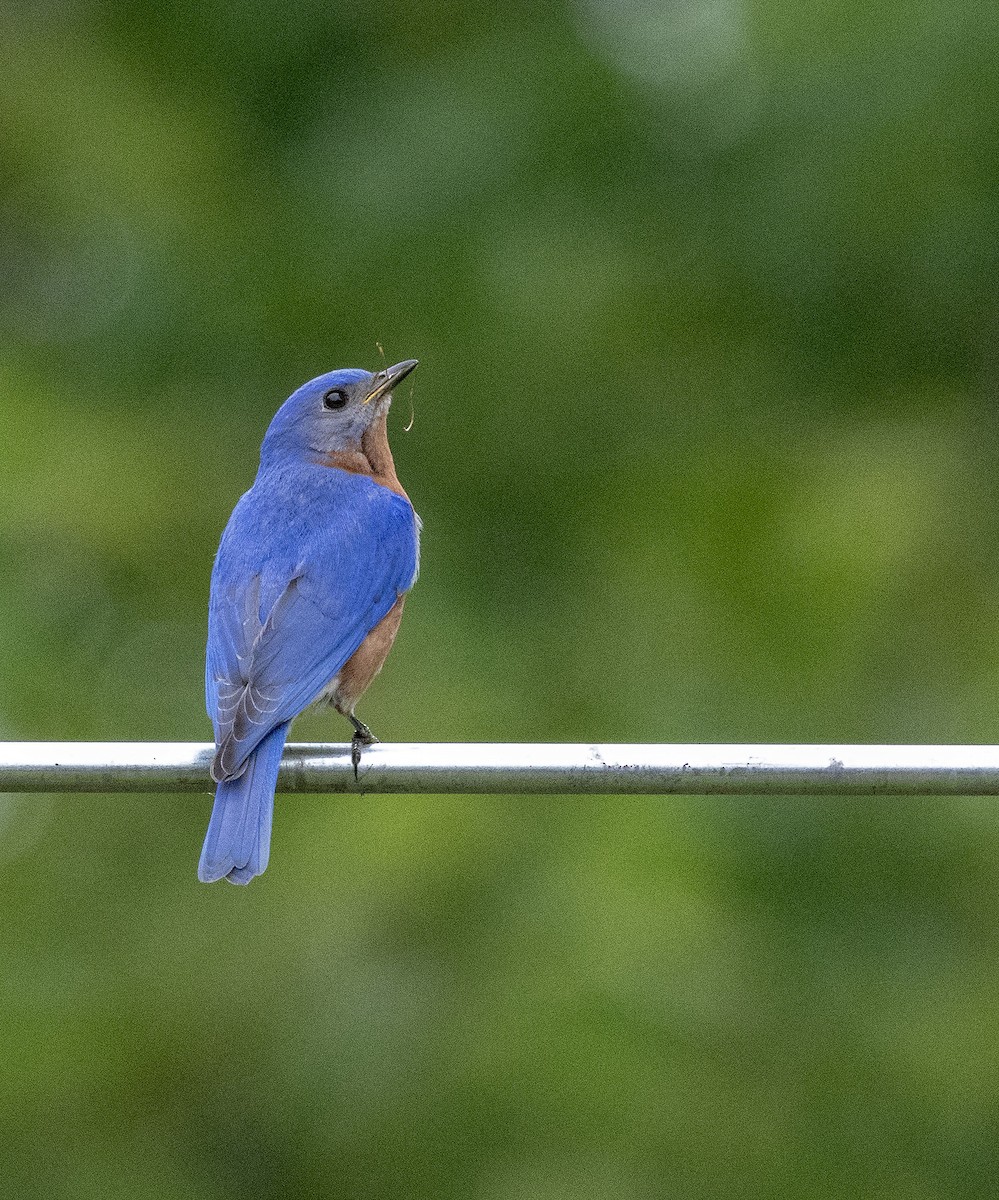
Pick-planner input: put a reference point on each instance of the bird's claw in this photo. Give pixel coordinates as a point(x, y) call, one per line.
point(362, 737)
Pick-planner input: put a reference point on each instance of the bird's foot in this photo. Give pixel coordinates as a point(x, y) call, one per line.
point(362, 737)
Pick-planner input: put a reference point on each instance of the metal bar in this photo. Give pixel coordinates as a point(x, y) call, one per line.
point(533, 768)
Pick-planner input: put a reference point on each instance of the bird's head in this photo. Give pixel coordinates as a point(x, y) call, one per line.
point(332, 412)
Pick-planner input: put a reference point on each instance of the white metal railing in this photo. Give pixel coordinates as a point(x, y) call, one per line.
point(520, 767)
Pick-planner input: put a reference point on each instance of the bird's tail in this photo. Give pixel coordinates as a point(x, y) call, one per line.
point(238, 842)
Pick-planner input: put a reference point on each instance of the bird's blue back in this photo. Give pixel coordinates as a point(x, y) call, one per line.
point(311, 560)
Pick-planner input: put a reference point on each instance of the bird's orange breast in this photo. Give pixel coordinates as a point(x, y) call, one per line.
point(367, 660)
point(373, 458)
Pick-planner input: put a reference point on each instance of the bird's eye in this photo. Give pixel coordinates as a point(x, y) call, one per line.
point(335, 398)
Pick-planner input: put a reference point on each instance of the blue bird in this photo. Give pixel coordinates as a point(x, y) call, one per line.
point(306, 596)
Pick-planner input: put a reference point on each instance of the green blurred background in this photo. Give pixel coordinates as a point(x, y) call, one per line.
point(705, 298)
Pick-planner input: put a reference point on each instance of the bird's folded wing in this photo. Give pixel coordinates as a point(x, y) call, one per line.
point(277, 637)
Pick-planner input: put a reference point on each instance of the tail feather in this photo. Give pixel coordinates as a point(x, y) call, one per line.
point(238, 842)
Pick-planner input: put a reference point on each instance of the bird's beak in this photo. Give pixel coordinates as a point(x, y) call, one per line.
point(386, 380)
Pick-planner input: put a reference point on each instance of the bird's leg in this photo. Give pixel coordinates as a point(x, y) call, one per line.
point(362, 737)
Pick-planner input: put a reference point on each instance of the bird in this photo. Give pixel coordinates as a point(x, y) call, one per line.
point(306, 596)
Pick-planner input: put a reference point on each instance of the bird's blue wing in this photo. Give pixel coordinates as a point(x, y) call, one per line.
point(294, 594)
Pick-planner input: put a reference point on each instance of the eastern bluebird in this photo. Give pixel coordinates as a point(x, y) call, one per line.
point(306, 596)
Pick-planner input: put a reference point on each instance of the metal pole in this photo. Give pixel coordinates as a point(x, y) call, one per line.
point(506, 768)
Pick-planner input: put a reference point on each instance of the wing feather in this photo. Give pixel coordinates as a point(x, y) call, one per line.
point(332, 583)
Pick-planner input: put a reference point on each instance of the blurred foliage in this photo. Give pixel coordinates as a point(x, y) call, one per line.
point(705, 297)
